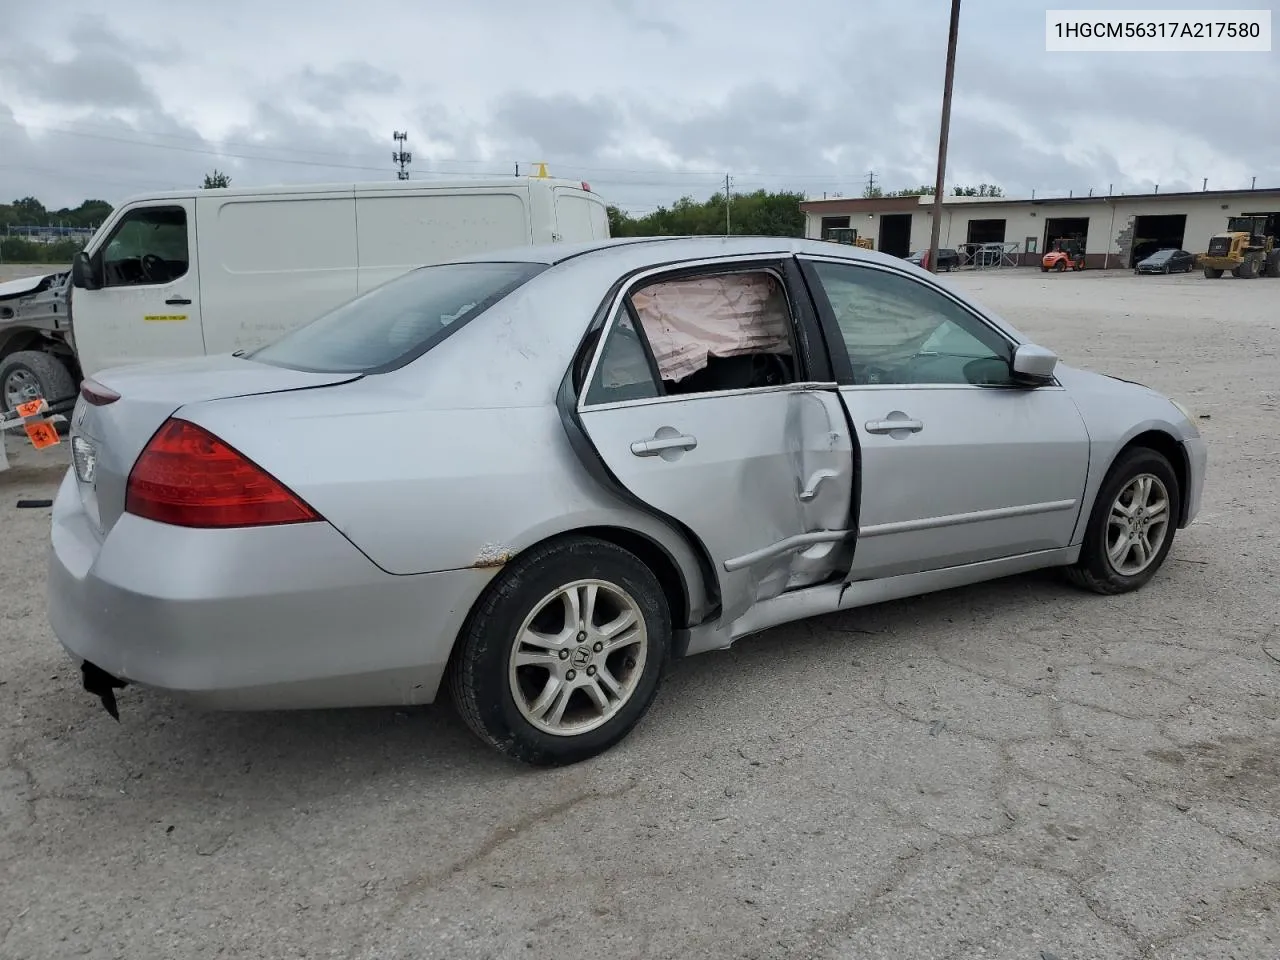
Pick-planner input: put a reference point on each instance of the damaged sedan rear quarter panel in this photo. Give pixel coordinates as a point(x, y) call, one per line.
point(440, 409)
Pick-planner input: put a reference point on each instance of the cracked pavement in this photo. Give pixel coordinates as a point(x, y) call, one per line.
point(1013, 770)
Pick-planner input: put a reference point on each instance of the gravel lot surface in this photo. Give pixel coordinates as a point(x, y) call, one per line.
point(1015, 770)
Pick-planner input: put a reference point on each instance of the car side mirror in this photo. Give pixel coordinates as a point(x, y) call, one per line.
point(84, 272)
point(1033, 364)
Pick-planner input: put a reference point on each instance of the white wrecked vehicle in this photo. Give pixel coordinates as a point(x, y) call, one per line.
point(37, 354)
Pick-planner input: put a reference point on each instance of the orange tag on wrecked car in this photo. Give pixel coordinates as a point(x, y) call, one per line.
point(42, 433)
point(30, 408)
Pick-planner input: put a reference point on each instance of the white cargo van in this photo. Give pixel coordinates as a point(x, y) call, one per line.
point(213, 271)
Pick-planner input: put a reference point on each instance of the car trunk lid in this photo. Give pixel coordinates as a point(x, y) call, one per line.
point(106, 438)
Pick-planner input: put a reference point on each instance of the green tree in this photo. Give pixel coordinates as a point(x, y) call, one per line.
point(920, 191)
point(216, 180)
point(872, 193)
point(31, 211)
point(981, 190)
point(760, 213)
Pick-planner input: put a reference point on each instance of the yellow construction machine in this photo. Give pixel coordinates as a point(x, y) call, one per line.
point(1244, 248)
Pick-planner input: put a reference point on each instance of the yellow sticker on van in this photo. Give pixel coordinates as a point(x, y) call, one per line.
point(164, 317)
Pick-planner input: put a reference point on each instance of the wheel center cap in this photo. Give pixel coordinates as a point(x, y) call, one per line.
point(582, 656)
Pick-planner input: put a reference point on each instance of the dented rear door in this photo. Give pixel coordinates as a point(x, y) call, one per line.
point(763, 477)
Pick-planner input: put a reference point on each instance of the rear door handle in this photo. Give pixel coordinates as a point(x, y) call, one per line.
point(177, 301)
point(811, 491)
point(657, 445)
point(889, 426)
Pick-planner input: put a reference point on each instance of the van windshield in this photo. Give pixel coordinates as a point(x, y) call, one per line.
point(399, 321)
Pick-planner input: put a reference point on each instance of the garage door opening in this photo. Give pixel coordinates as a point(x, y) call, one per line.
point(986, 231)
point(833, 223)
point(895, 234)
point(1152, 233)
point(1065, 228)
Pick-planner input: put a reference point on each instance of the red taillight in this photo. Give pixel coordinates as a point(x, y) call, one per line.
point(189, 478)
point(96, 394)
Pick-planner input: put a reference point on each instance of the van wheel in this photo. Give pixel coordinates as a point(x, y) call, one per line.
point(563, 654)
point(1131, 525)
point(30, 372)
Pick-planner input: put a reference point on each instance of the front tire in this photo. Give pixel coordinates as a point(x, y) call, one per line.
point(1211, 274)
point(564, 652)
point(1131, 526)
point(35, 370)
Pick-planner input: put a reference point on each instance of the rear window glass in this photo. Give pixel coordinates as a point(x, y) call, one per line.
point(399, 321)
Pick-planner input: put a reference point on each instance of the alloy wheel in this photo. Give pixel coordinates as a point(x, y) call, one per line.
point(1137, 525)
point(578, 657)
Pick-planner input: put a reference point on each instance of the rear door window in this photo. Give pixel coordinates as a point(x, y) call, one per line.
point(399, 321)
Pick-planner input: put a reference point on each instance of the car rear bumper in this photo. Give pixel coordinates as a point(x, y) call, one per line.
point(1198, 463)
point(268, 618)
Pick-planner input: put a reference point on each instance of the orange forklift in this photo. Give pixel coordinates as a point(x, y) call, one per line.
point(1063, 255)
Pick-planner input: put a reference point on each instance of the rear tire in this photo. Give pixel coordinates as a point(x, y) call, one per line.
point(1273, 265)
point(1061, 266)
point(1098, 568)
point(522, 648)
point(34, 368)
point(1248, 270)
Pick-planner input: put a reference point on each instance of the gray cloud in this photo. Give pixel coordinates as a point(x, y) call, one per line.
point(557, 124)
point(89, 78)
point(325, 89)
point(657, 93)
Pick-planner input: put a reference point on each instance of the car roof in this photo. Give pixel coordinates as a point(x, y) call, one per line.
point(629, 252)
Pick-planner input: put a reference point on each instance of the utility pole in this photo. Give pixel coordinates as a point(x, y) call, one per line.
point(727, 224)
point(942, 135)
point(871, 183)
point(399, 156)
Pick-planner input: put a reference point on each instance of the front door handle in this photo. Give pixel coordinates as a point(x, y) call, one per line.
point(890, 426)
point(178, 301)
point(661, 442)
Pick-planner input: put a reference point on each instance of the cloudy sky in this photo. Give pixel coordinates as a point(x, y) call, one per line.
point(649, 100)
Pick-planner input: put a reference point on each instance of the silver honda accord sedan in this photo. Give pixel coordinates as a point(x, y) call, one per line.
point(538, 477)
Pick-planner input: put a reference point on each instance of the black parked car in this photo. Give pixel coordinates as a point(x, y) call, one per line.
point(947, 259)
point(1167, 261)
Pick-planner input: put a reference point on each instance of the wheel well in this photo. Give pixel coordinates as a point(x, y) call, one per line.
point(1173, 451)
point(656, 558)
point(648, 551)
point(20, 340)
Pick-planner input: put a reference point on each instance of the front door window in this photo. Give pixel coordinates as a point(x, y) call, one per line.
point(148, 246)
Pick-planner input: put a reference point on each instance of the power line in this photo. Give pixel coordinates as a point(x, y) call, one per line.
point(205, 149)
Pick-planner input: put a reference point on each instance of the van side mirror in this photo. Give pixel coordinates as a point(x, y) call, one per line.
point(1033, 365)
point(84, 272)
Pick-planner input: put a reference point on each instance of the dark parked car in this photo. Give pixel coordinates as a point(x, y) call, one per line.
point(947, 259)
point(1167, 261)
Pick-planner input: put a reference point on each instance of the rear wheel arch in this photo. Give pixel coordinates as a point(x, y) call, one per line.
point(675, 586)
